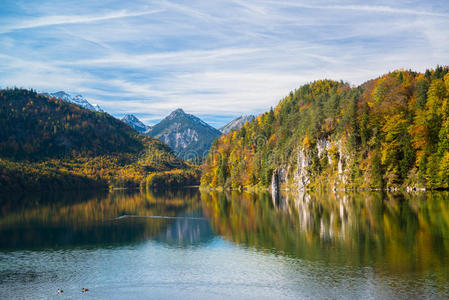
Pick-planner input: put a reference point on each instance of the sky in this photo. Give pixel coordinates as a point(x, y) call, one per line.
point(215, 59)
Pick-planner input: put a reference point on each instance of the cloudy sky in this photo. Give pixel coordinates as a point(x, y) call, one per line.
point(215, 59)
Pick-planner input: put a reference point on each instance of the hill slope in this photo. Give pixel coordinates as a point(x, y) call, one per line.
point(186, 134)
point(50, 143)
point(36, 127)
point(390, 132)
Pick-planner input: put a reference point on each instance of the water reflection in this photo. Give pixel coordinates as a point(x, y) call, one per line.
point(170, 245)
point(397, 232)
point(93, 221)
point(400, 233)
point(187, 230)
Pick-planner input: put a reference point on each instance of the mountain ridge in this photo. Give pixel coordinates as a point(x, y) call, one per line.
point(186, 134)
point(77, 99)
point(135, 123)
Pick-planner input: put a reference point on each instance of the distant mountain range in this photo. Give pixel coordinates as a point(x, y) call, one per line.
point(186, 134)
point(77, 99)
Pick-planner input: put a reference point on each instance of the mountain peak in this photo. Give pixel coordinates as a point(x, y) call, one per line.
point(177, 112)
point(135, 123)
point(185, 133)
point(129, 117)
point(78, 100)
point(180, 115)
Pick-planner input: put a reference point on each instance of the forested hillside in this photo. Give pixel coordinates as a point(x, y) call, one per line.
point(47, 143)
point(33, 126)
point(390, 132)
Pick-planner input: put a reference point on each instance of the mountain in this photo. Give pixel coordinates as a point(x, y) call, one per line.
point(135, 123)
point(236, 124)
point(98, 108)
point(78, 100)
point(391, 132)
point(186, 134)
point(49, 143)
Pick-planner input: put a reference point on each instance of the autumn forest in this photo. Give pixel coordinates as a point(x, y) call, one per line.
point(391, 132)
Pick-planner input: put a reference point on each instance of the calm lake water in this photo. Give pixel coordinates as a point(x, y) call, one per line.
point(192, 245)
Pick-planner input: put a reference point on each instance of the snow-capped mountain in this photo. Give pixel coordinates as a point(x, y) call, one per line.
point(98, 108)
point(78, 100)
point(186, 134)
point(135, 123)
point(236, 124)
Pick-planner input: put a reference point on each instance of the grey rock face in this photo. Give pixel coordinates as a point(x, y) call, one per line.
point(302, 176)
point(236, 124)
point(135, 123)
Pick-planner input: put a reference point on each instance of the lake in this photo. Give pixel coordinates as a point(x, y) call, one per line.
point(209, 245)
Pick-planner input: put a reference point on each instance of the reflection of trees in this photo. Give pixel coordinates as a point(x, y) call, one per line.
point(92, 221)
point(394, 231)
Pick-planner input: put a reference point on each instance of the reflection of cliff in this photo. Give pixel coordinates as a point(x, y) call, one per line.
point(91, 222)
point(398, 232)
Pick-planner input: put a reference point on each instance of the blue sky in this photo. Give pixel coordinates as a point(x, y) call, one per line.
point(215, 59)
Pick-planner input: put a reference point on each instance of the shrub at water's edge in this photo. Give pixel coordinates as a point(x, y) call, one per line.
point(173, 179)
point(389, 133)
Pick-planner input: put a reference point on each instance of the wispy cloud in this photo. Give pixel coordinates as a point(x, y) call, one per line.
point(217, 59)
point(364, 8)
point(73, 19)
